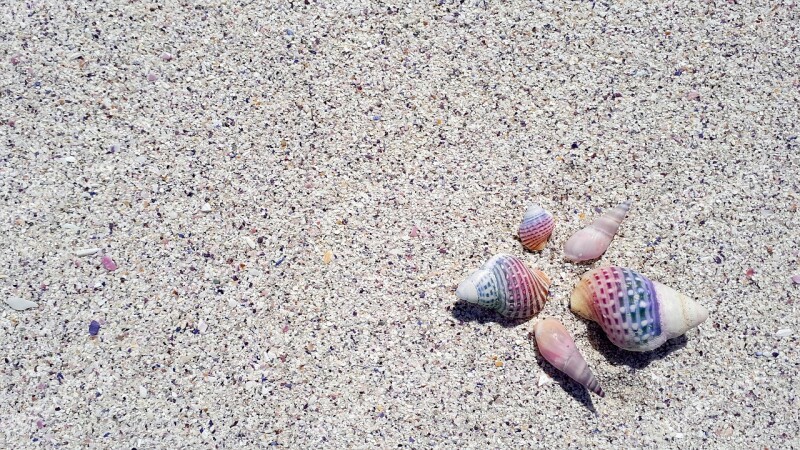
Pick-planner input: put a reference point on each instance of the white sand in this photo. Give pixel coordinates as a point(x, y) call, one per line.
point(341, 126)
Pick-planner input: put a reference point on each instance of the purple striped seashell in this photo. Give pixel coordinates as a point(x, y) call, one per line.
point(558, 348)
point(536, 227)
point(636, 314)
point(506, 285)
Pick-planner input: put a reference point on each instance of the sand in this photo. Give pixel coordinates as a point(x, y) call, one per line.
point(291, 192)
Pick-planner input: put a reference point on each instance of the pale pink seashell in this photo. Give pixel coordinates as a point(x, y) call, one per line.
point(796, 279)
point(558, 348)
point(593, 240)
point(152, 76)
point(108, 263)
point(414, 232)
point(536, 227)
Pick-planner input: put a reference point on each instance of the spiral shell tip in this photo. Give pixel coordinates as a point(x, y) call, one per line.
point(466, 291)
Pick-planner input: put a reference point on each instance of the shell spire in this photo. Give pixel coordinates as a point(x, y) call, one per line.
point(536, 227)
point(506, 285)
point(636, 314)
point(592, 241)
point(558, 348)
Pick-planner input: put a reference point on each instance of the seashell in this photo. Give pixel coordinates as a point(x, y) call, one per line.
point(19, 304)
point(108, 263)
point(558, 348)
point(506, 285)
point(94, 328)
point(636, 313)
point(536, 226)
point(593, 240)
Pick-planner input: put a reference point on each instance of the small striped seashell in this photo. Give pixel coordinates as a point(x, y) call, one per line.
point(558, 348)
point(593, 240)
point(506, 285)
point(536, 226)
point(636, 314)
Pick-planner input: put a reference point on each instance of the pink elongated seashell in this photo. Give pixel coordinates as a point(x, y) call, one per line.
point(593, 240)
point(108, 263)
point(558, 348)
point(506, 285)
point(536, 227)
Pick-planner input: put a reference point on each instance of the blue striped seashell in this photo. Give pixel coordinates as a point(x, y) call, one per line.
point(506, 285)
point(636, 314)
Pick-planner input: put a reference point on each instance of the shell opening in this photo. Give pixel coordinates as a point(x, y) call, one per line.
point(579, 302)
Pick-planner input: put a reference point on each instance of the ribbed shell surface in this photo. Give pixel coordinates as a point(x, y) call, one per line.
point(625, 305)
point(535, 228)
point(518, 291)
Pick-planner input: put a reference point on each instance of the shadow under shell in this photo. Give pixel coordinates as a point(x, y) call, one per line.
point(469, 312)
point(635, 360)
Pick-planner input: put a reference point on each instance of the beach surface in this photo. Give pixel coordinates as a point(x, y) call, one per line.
point(243, 222)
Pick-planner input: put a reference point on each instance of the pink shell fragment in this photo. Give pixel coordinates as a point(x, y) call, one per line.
point(108, 263)
point(414, 232)
point(796, 279)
